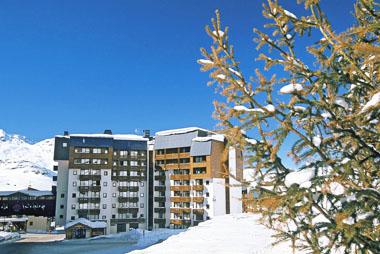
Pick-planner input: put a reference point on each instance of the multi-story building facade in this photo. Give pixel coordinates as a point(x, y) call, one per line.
point(176, 179)
point(195, 178)
point(102, 177)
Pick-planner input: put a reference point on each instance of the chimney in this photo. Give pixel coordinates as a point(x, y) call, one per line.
point(146, 133)
point(109, 132)
point(65, 133)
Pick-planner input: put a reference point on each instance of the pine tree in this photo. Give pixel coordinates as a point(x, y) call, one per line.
point(325, 115)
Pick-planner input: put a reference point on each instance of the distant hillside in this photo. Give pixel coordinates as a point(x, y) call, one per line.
point(23, 164)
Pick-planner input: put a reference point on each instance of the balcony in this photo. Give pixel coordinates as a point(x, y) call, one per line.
point(128, 178)
point(133, 210)
point(198, 187)
point(159, 188)
point(160, 199)
point(180, 222)
point(88, 200)
point(159, 209)
point(128, 188)
point(171, 166)
point(198, 199)
point(198, 211)
point(128, 199)
point(179, 177)
point(89, 188)
point(160, 178)
point(159, 220)
point(89, 177)
point(184, 166)
point(92, 211)
point(129, 220)
point(180, 199)
point(180, 210)
point(180, 188)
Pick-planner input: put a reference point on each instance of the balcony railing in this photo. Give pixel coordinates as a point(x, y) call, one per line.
point(128, 188)
point(88, 200)
point(180, 177)
point(159, 209)
point(89, 177)
point(89, 188)
point(160, 178)
point(92, 211)
point(159, 188)
point(129, 220)
point(180, 188)
point(159, 220)
point(128, 199)
point(198, 210)
point(198, 187)
point(180, 210)
point(159, 199)
point(180, 222)
point(133, 210)
point(180, 199)
point(128, 178)
point(198, 199)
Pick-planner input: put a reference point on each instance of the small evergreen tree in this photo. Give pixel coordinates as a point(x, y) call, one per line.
point(329, 114)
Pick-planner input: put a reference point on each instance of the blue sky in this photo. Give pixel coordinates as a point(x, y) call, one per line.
point(86, 66)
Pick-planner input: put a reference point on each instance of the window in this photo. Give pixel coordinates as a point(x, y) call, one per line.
point(104, 206)
point(114, 195)
point(198, 159)
point(61, 216)
point(184, 149)
point(74, 195)
point(207, 194)
point(82, 150)
point(96, 161)
point(124, 163)
point(142, 184)
point(141, 194)
point(75, 172)
point(72, 217)
point(62, 206)
point(123, 153)
point(143, 163)
point(104, 195)
point(104, 183)
point(104, 217)
point(172, 161)
point(141, 205)
point(207, 182)
point(207, 206)
point(73, 207)
point(184, 160)
point(134, 163)
point(114, 184)
point(64, 144)
point(161, 151)
point(74, 184)
point(134, 153)
point(106, 173)
point(113, 205)
point(62, 195)
point(171, 150)
point(199, 170)
point(97, 150)
point(113, 216)
point(30, 223)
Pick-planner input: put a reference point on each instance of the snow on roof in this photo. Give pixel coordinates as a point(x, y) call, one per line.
point(88, 223)
point(114, 136)
point(180, 131)
point(29, 192)
point(215, 137)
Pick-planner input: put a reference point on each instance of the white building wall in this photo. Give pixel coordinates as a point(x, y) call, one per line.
point(236, 205)
point(217, 197)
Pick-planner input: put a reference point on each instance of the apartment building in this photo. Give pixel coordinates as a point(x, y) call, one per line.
point(102, 177)
point(196, 177)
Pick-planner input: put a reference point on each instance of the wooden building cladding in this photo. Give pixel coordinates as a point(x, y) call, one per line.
point(186, 167)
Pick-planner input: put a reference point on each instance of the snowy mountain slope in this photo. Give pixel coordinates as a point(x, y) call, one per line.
point(23, 164)
point(226, 234)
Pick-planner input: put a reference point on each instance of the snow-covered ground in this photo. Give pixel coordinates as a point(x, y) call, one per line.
point(23, 164)
point(235, 234)
point(7, 236)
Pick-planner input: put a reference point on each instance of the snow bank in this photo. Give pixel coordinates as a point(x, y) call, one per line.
point(237, 234)
point(7, 236)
